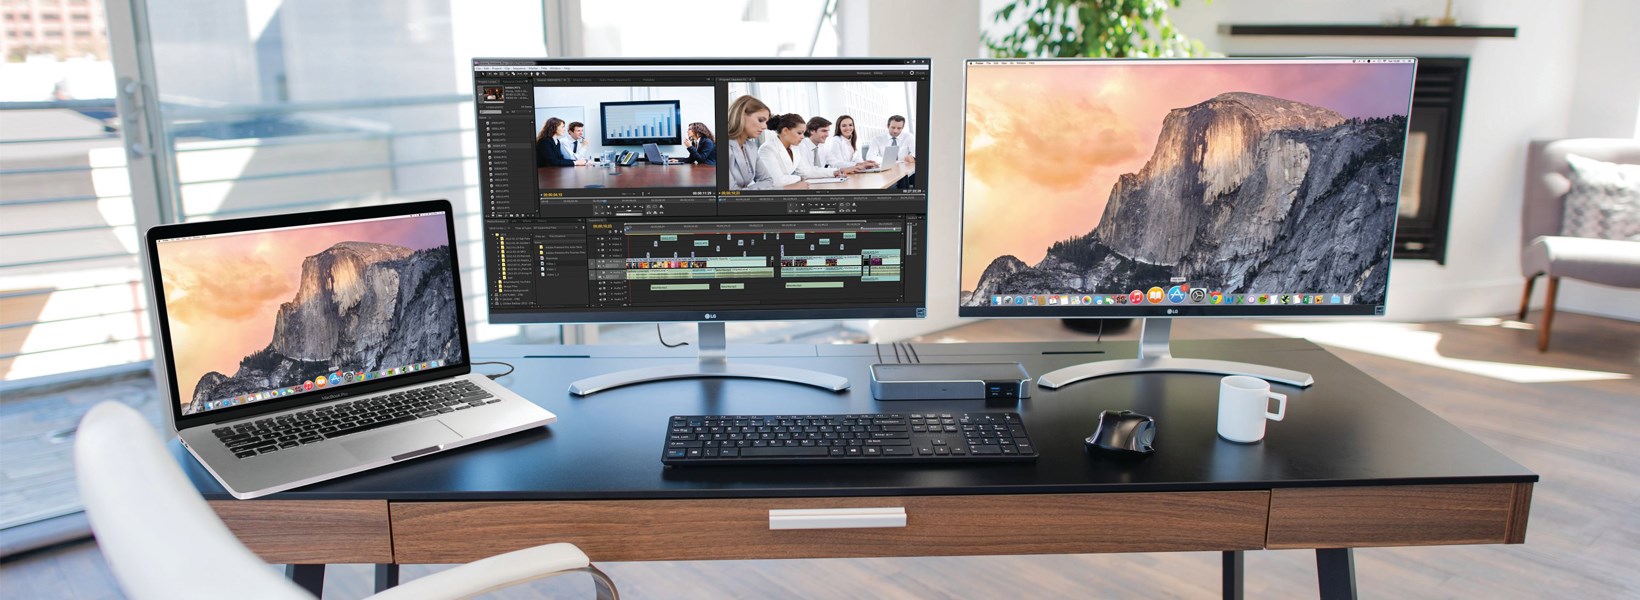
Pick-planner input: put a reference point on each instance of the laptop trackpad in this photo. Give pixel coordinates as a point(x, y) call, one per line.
point(399, 440)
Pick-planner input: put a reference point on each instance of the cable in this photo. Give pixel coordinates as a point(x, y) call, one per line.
point(1101, 338)
point(663, 338)
point(879, 352)
point(510, 368)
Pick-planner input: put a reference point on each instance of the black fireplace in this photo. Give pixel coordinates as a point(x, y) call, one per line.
point(1431, 158)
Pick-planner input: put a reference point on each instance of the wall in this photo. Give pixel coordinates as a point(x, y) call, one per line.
point(903, 28)
point(1520, 89)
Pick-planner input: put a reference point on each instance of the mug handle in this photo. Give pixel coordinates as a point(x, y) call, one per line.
point(1281, 407)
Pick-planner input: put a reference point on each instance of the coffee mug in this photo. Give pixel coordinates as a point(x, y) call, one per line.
point(1244, 404)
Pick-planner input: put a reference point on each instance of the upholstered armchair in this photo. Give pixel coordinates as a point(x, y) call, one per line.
point(1548, 250)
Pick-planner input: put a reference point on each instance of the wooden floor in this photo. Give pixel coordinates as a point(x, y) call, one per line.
point(1583, 540)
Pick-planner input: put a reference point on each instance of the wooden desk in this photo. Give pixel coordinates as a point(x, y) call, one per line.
point(1354, 464)
point(880, 180)
point(641, 175)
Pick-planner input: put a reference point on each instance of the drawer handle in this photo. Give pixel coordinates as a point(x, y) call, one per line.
point(836, 518)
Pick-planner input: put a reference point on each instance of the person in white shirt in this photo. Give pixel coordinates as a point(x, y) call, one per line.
point(575, 144)
point(810, 153)
point(897, 137)
point(843, 149)
point(777, 159)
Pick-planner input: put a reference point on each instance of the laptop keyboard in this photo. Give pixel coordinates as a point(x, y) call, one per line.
point(289, 430)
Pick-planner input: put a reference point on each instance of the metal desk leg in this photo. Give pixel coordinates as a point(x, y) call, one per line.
point(387, 576)
point(1335, 569)
point(1234, 574)
point(309, 577)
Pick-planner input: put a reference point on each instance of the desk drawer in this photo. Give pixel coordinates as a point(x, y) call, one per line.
point(310, 531)
point(1403, 515)
point(734, 529)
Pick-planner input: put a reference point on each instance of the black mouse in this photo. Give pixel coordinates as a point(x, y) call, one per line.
point(1124, 432)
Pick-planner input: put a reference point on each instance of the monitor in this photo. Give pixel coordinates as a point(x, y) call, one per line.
point(642, 122)
point(774, 205)
point(1181, 188)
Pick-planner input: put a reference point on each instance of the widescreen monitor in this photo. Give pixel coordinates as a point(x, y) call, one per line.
point(1191, 187)
point(774, 199)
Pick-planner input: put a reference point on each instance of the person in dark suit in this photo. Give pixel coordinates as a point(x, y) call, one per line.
point(548, 152)
point(702, 148)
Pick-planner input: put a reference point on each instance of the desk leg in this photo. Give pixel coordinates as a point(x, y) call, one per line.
point(387, 576)
point(309, 577)
point(1335, 569)
point(1234, 574)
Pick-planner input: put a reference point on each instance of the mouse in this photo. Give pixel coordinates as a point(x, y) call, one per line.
point(1124, 432)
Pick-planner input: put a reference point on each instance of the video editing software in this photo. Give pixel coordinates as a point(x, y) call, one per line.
point(656, 190)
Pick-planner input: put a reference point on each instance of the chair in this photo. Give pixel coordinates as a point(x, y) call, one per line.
point(1544, 251)
point(163, 541)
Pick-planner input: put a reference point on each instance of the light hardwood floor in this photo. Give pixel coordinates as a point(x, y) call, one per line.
point(1583, 540)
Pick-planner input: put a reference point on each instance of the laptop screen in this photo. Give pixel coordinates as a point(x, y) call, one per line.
point(269, 314)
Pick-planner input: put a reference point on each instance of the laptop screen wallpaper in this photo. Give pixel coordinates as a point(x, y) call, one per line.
point(275, 313)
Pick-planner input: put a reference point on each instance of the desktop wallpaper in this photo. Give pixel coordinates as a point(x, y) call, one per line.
point(258, 312)
point(1108, 177)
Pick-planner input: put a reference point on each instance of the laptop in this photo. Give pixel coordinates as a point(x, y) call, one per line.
point(652, 153)
point(304, 347)
point(890, 154)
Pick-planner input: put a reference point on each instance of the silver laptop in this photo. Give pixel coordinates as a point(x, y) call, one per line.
point(299, 348)
point(890, 154)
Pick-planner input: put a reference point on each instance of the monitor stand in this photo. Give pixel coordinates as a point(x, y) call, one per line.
point(714, 362)
point(1155, 356)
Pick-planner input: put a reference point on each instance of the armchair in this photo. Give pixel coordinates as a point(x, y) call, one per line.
point(163, 541)
point(1544, 248)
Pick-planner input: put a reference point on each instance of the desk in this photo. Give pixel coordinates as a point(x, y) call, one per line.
point(880, 180)
point(1354, 464)
point(641, 175)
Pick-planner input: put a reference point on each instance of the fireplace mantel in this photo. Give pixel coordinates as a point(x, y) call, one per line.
point(1366, 29)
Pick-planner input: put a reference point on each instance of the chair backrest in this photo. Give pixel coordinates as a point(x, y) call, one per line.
point(1548, 178)
point(159, 536)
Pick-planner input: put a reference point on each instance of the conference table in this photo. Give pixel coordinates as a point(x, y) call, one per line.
point(880, 180)
point(640, 175)
point(1354, 464)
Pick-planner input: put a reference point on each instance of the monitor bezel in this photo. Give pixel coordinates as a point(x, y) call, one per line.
point(160, 233)
point(578, 315)
point(1166, 309)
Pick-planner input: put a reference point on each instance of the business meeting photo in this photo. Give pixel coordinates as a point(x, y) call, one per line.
point(821, 135)
point(624, 137)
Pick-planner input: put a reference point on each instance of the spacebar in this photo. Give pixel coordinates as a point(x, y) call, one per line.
point(377, 424)
point(783, 451)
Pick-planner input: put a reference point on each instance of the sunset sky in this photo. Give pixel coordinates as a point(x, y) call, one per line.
point(222, 293)
point(1045, 143)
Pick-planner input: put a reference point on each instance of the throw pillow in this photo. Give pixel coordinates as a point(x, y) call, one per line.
point(1604, 201)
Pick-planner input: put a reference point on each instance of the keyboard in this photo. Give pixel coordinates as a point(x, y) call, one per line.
point(855, 439)
point(289, 430)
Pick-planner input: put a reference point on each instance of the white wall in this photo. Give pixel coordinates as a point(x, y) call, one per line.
point(1524, 88)
point(908, 28)
point(695, 104)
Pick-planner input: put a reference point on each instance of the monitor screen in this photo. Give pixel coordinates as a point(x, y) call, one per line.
point(714, 190)
point(1197, 187)
point(641, 122)
point(267, 314)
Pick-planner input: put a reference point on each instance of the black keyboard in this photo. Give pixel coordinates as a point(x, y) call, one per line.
point(857, 439)
point(290, 430)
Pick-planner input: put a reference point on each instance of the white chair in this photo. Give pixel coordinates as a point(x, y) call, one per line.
point(163, 541)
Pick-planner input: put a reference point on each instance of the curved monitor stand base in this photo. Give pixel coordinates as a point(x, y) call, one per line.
point(1155, 356)
point(713, 363)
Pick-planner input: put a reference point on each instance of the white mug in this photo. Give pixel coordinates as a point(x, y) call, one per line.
point(1244, 404)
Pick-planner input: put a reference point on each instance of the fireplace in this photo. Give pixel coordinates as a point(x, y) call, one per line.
point(1431, 158)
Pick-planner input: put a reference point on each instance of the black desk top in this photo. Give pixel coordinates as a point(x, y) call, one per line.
point(1347, 429)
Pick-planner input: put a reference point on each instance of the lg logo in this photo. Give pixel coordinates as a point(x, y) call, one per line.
point(710, 316)
point(1172, 311)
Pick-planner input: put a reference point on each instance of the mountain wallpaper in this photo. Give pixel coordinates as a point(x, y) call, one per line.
point(250, 314)
point(1242, 192)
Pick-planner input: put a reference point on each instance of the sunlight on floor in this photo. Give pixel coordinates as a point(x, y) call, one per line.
point(1409, 342)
